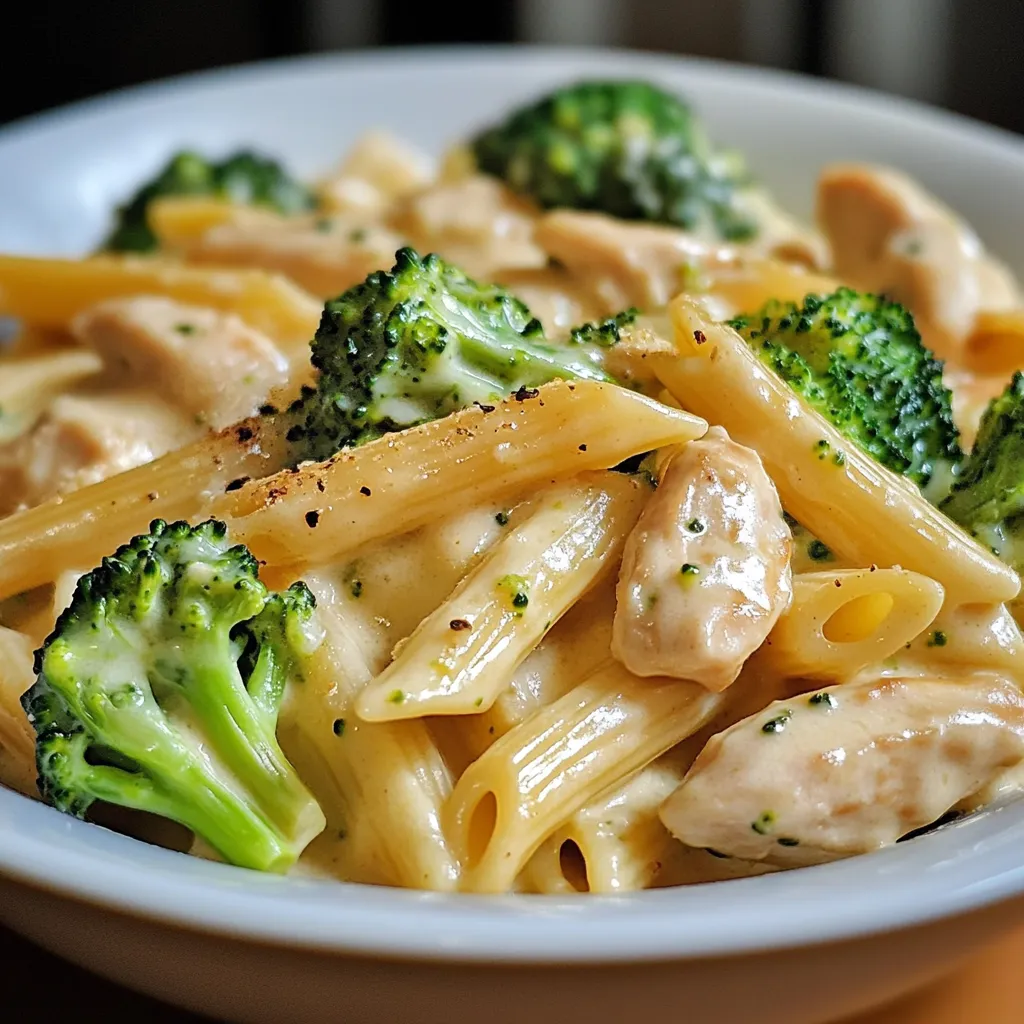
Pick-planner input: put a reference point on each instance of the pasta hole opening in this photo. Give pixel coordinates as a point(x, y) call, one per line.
point(482, 824)
point(573, 865)
point(858, 619)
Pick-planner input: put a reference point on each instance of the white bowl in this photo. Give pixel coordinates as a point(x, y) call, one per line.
point(793, 948)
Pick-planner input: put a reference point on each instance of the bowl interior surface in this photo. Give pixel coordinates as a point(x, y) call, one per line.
point(62, 173)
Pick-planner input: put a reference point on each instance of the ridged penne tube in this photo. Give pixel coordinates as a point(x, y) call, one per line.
point(180, 221)
point(79, 528)
point(17, 738)
point(404, 480)
point(577, 645)
point(462, 655)
point(32, 378)
point(52, 292)
point(863, 511)
point(617, 843)
point(545, 769)
point(745, 285)
point(839, 622)
point(27, 384)
point(382, 786)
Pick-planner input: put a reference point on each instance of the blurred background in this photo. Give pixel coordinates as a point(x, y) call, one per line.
point(960, 54)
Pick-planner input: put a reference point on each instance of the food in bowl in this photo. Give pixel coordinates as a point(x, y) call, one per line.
point(614, 531)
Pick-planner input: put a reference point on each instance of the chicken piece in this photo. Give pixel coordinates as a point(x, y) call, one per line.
point(848, 769)
point(83, 439)
point(215, 367)
point(890, 236)
point(378, 171)
point(625, 263)
point(323, 254)
point(705, 573)
point(477, 223)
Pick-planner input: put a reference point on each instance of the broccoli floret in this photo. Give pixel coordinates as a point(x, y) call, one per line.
point(243, 178)
point(859, 361)
point(604, 332)
point(159, 688)
point(628, 149)
point(987, 498)
point(418, 342)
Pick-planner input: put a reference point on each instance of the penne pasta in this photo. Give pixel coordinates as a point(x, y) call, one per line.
point(864, 512)
point(52, 292)
point(577, 645)
point(461, 656)
point(181, 221)
point(727, 289)
point(545, 769)
point(382, 786)
point(615, 844)
point(28, 383)
point(78, 529)
point(328, 509)
point(840, 622)
point(17, 739)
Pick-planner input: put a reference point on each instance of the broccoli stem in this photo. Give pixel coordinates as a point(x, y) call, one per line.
point(198, 800)
point(224, 709)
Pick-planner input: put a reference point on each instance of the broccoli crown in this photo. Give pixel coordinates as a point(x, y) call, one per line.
point(159, 687)
point(987, 499)
point(604, 333)
point(416, 343)
point(243, 178)
point(858, 360)
point(625, 148)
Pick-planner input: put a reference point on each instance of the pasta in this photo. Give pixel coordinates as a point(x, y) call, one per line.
point(459, 659)
point(492, 583)
point(552, 764)
point(52, 292)
point(564, 429)
point(840, 622)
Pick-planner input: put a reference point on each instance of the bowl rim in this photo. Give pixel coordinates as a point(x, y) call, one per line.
point(962, 867)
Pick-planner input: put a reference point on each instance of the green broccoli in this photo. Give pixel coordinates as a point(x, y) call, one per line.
point(604, 332)
point(858, 360)
point(159, 689)
point(987, 498)
point(243, 178)
point(418, 342)
point(625, 148)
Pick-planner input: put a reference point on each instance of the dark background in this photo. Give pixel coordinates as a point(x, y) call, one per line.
point(962, 54)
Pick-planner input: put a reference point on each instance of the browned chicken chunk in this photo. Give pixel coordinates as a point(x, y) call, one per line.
point(890, 236)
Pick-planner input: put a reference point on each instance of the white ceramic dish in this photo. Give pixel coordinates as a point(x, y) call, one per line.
point(795, 948)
